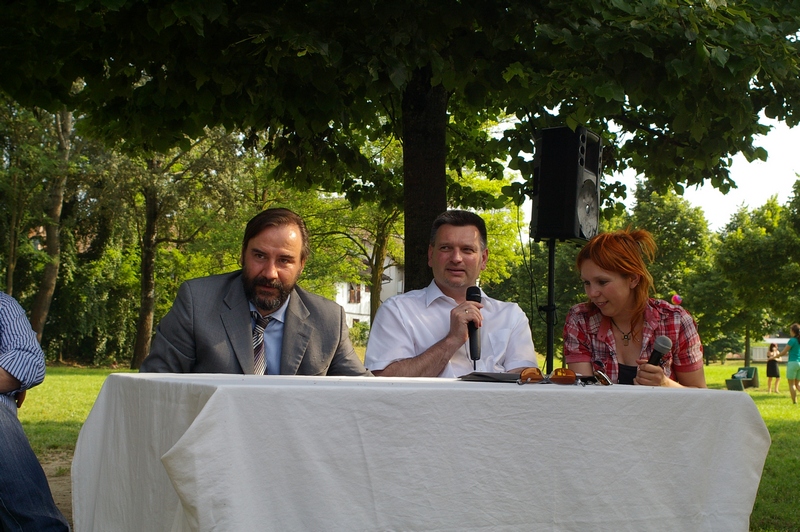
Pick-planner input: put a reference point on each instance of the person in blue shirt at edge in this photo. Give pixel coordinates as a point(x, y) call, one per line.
point(26, 503)
point(793, 365)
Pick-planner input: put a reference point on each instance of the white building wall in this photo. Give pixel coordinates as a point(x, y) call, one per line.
point(353, 311)
point(360, 311)
point(759, 354)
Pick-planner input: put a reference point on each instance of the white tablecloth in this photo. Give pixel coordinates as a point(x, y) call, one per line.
point(246, 453)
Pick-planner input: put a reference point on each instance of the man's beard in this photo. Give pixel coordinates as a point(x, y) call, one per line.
point(266, 303)
point(454, 284)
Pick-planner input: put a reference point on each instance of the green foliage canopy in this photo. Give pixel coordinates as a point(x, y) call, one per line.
point(676, 87)
point(685, 80)
point(681, 233)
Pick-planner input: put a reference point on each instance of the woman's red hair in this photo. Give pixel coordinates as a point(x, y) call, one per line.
point(624, 252)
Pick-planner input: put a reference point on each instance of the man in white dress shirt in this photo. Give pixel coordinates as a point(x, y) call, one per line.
point(423, 333)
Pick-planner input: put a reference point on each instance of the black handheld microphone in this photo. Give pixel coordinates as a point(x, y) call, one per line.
point(661, 347)
point(474, 294)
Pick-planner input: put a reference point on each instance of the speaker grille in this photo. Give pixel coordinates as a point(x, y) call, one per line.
point(566, 193)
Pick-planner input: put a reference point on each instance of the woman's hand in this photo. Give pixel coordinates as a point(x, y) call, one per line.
point(649, 375)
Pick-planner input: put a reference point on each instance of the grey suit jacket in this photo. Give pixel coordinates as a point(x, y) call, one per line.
point(208, 331)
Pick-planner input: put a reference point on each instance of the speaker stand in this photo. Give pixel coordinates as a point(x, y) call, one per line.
point(550, 308)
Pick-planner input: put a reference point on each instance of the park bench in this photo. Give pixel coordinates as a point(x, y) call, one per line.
point(743, 378)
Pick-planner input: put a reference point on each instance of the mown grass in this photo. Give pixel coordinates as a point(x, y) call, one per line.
point(54, 412)
point(778, 495)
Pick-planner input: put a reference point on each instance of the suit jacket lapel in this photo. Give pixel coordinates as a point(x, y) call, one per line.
point(296, 334)
point(236, 320)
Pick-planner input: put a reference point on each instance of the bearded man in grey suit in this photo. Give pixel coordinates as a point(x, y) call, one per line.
point(210, 328)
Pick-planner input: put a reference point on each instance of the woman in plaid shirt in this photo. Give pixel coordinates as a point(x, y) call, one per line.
point(616, 329)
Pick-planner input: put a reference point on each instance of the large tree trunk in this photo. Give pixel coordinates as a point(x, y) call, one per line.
point(747, 346)
point(52, 227)
point(424, 160)
point(144, 324)
point(380, 248)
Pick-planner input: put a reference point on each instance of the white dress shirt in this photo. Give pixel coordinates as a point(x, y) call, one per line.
point(408, 324)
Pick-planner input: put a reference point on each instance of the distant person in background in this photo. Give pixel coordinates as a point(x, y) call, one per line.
point(616, 329)
point(772, 368)
point(26, 502)
point(793, 366)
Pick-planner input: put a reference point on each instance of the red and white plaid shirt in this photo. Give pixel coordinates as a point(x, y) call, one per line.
point(588, 338)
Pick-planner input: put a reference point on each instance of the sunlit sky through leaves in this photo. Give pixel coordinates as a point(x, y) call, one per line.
point(756, 182)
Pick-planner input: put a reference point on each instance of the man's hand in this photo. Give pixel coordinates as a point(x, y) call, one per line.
point(433, 360)
point(20, 398)
point(8, 383)
point(460, 316)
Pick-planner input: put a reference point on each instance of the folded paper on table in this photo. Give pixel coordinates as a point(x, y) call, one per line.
point(485, 376)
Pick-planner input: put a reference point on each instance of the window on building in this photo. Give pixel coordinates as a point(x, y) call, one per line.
point(354, 291)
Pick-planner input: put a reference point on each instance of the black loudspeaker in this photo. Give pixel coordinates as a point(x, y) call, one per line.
point(566, 185)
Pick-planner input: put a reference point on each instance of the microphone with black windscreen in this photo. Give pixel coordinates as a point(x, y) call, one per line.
point(474, 294)
point(661, 347)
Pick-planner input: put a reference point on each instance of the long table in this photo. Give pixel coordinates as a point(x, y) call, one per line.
point(241, 453)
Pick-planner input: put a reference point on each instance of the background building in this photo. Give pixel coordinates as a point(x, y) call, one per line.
point(355, 297)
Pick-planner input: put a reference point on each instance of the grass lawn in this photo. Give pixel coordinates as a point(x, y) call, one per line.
point(778, 495)
point(54, 412)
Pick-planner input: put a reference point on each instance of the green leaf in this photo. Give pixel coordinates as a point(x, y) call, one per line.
point(514, 70)
point(702, 50)
point(680, 67)
point(399, 76)
point(229, 86)
point(623, 6)
point(475, 93)
point(610, 91)
point(682, 121)
point(113, 5)
point(719, 55)
point(572, 123)
point(643, 49)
